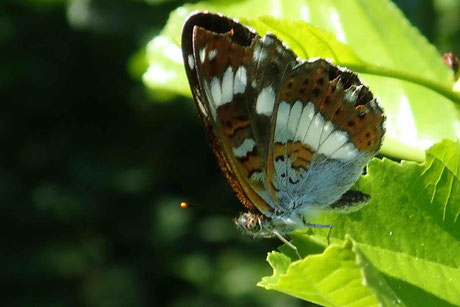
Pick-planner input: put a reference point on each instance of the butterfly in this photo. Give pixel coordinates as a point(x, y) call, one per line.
point(291, 136)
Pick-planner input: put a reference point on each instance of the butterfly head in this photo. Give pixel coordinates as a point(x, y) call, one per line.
point(259, 225)
point(251, 223)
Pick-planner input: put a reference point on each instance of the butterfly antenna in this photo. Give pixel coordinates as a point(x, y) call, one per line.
point(207, 208)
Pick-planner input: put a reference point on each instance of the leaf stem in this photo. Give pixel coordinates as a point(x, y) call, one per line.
point(439, 88)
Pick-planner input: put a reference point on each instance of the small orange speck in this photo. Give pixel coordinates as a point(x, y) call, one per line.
point(183, 205)
point(232, 32)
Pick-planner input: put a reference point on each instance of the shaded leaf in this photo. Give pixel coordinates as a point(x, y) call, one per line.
point(410, 230)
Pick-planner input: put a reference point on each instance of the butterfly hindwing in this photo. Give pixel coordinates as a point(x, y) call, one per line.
point(327, 127)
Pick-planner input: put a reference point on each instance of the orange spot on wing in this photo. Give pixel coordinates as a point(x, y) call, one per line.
point(301, 156)
point(233, 118)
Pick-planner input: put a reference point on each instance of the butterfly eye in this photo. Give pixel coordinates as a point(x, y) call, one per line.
point(252, 223)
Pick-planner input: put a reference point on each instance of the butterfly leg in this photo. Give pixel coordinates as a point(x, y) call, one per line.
point(285, 241)
point(322, 226)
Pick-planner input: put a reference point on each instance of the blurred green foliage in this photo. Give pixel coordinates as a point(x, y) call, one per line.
point(92, 169)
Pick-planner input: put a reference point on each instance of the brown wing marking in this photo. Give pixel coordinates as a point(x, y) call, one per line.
point(237, 128)
point(341, 98)
point(226, 53)
point(226, 167)
point(233, 123)
point(301, 154)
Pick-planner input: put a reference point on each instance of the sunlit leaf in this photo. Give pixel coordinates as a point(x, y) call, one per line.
point(166, 67)
point(315, 42)
point(341, 276)
point(359, 34)
point(409, 231)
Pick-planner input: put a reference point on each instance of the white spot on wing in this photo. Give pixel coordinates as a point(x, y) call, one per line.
point(259, 54)
point(327, 129)
point(202, 55)
point(352, 154)
point(294, 118)
point(240, 80)
point(246, 147)
point(305, 120)
point(314, 132)
point(335, 140)
point(212, 54)
point(202, 108)
point(282, 118)
point(265, 101)
point(216, 92)
point(258, 177)
point(227, 85)
point(268, 40)
point(345, 153)
point(212, 109)
point(280, 49)
point(191, 62)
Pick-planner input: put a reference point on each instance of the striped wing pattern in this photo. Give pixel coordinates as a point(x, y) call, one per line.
point(327, 127)
point(231, 76)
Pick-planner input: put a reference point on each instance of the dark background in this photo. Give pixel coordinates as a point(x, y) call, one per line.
point(93, 168)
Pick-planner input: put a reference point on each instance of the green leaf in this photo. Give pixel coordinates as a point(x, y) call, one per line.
point(315, 41)
point(371, 37)
point(409, 231)
point(340, 276)
point(166, 68)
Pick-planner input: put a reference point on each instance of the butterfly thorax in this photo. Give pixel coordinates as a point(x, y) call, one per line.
point(258, 225)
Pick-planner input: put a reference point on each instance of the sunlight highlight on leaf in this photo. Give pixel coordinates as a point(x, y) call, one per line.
point(340, 276)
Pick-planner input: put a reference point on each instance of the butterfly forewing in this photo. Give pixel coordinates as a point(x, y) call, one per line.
point(235, 81)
